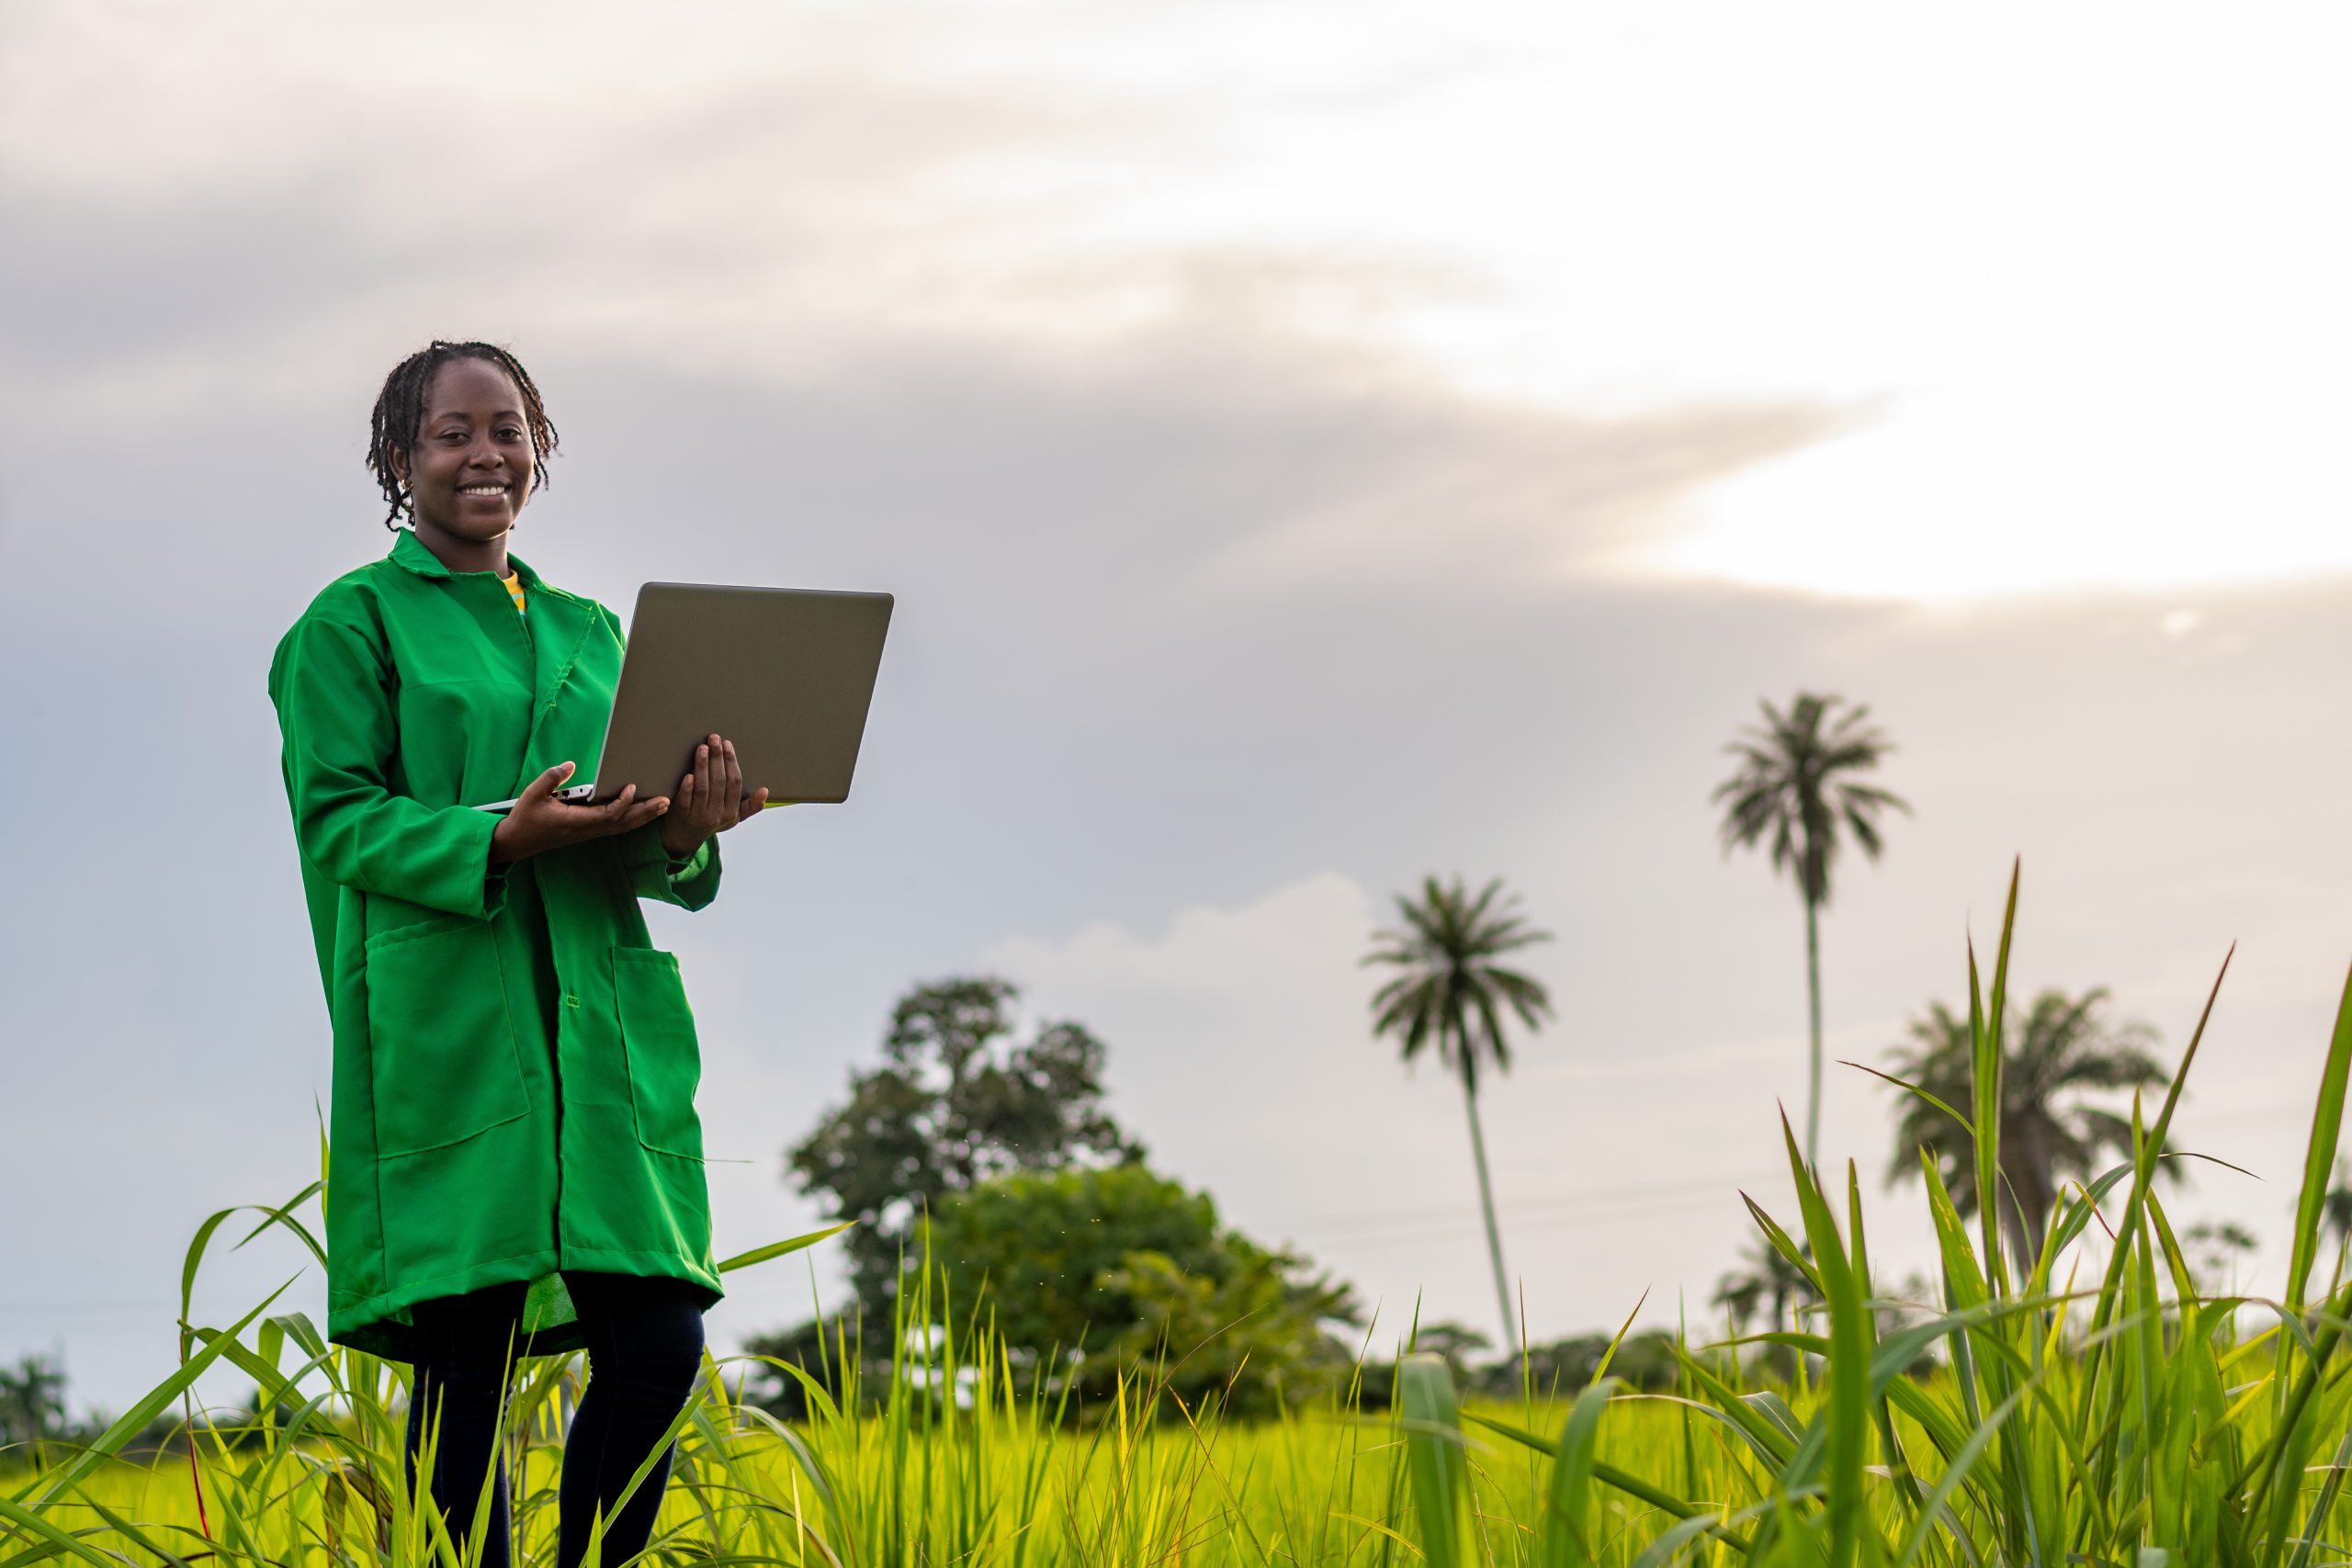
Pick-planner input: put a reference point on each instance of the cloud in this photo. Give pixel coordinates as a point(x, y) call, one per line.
point(1247, 1013)
point(849, 258)
point(205, 195)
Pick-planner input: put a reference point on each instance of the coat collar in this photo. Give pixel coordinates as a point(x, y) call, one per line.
point(560, 624)
point(408, 551)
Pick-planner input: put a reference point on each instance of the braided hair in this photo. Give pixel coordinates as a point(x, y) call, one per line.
point(400, 415)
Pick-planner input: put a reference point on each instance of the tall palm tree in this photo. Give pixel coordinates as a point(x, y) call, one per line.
point(2059, 1049)
point(1450, 991)
point(1796, 785)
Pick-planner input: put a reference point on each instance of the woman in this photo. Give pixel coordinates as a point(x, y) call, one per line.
point(517, 1166)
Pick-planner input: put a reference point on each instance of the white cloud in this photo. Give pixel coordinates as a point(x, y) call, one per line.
point(2108, 327)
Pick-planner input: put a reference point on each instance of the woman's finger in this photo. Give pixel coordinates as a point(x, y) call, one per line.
point(703, 779)
point(731, 793)
point(545, 784)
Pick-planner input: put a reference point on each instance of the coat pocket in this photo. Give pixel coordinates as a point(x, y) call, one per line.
point(441, 1046)
point(664, 1061)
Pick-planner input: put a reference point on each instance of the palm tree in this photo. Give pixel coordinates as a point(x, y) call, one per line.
point(1450, 990)
point(1795, 784)
point(2336, 1209)
point(1764, 1275)
point(2215, 1249)
point(33, 1402)
point(2060, 1048)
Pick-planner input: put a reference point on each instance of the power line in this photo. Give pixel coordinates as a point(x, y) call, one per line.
point(1531, 1214)
point(1560, 1220)
point(1583, 1195)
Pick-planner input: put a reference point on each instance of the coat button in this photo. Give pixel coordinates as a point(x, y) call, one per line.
point(571, 1000)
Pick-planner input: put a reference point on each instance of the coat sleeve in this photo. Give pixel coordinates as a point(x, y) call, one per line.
point(333, 691)
point(690, 883)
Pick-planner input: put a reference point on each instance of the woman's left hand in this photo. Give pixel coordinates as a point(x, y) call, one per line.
point(709, 799)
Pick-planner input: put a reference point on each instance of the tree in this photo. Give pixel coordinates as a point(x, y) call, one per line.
point(955, 1101)
point(2216, 1249)
point(828, 1349)
point(1796, 785)
point(1643, 1360)
point(1548, 1369)
point(1457, 1344)
point(33, 1402)
point(1088, 1272)
point(2335, 1210)
point(1450, 991)
point(2059, 1049)
point(1764, 1278)
point(1765, 1285)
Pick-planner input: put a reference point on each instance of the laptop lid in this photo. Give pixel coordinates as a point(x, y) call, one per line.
point(785, 674)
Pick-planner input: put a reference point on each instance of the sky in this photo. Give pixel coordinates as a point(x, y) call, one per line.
point(1314, 447)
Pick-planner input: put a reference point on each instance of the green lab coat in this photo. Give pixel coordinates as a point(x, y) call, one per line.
point(514, 1063)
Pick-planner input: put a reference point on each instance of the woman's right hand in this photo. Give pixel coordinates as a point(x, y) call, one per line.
point(540, 822)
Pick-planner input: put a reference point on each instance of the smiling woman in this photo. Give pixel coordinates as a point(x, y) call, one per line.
point(458, 442)
point(517, 1165)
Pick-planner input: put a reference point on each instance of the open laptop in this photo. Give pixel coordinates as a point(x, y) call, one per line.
point(785, 674)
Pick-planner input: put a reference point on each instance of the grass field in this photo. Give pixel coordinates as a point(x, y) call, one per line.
point(2092, 1408)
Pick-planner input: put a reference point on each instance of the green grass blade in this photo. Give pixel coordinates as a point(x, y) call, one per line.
point(1957, 1470)
point(778, 1248)
point(1435, 1456)
point(1989, 1060)
point(43, 1488)
point(60, 1539)
point(2318, 1158)
point(1851, 1335)
point(1633, 1486)
point(1568, 1537)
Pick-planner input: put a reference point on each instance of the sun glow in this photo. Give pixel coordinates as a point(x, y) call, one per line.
point(1952, 499)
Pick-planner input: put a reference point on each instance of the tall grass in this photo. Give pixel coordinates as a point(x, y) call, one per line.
point(2087, 1405)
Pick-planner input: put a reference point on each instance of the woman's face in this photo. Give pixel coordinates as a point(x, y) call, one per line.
point(468, 471)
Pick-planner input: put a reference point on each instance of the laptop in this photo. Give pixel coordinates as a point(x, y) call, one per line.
point(785, 674)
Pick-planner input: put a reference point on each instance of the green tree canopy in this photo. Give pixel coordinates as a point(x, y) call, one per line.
point(956, 1100)
point(1134, 1270)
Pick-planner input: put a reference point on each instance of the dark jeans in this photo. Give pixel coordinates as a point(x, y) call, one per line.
point(644, 1350)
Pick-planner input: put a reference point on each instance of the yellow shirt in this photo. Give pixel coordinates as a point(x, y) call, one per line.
point(513, 581)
